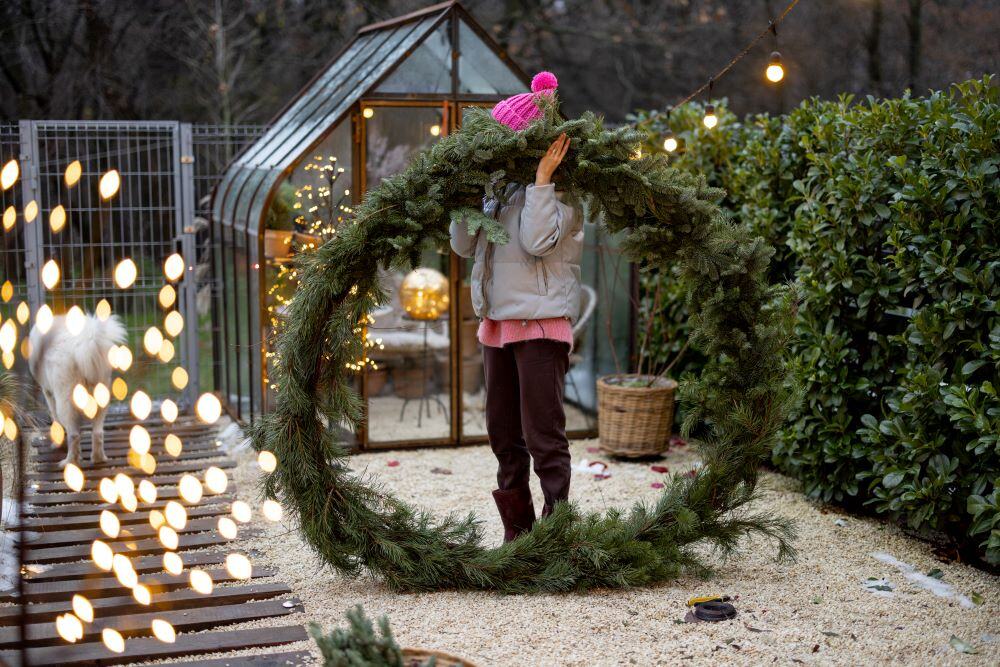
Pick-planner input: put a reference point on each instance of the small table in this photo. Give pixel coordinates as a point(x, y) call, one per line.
point(424, 400)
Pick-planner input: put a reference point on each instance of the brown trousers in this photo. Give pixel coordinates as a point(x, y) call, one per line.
point(525, 419)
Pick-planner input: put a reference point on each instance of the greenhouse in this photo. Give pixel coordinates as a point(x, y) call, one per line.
point(394, 90)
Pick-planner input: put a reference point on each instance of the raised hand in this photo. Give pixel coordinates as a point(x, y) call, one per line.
point(552, 159)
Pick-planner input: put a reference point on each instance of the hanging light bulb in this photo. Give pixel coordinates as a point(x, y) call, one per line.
point(125, 273)
point(113, 640)
point(173, 267)
point(9, 174)
point(208, 408)
point(710, 120)
point(57, 219)
point(110, 183)
point(774, 72)
point(50, 274)
point(72, 174)
point(75, 321)
point(669, 142)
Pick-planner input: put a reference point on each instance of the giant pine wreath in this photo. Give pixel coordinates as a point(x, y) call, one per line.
point(732, 410)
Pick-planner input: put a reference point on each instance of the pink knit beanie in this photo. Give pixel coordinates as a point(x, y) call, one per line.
point(518, 111)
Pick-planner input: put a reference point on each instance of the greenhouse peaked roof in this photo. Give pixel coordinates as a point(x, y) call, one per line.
point(390, 58)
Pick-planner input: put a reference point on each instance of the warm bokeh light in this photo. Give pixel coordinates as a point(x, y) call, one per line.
point(774, 72)
point(179, 377)
point(9, 174)
point(163, 631)
point(102, 555)
point(72, 174)
point(368, 112)
point(141, 404)
point(124, 485)
point(173, 563)
point(44, 317)
point(168, 296)
point(152, 341)
point(110, 525)
point(710, 120)
point(58, 434)
point(241, 511)
point(267, 461)
point(73, 476)
point(166, 352)
point(156, 519)
point(173, 445)
point(271, 510)
point(176, 515)
point(109, 184)
point(103, 310)
point(173, 323)
point(208, 408)
point(123, 358)
point(125, 273)
point(23, 312)
point(216, 480)
point(142, 595)
point(69, 627)
point(75, 321)
point(80, 396)
point(138, 437)
point(147, 491)
point(83, 609)
point(169, 411)
point(102, 395)
point(31, 211)
point(168, 537)
point(129, 503)
point(119, 388)
point(90, 409)
point(239, 566)
point(57, 219)
point(190, 489)
point(670, 143)
point(435, 130)
point(113, 640)
point(7, 291)
point(9, 218)
point(108, 490)
point(124, 571)
point(227, 528)
point(8, 336)
point(50, 274)
point(173, 267)
point(201, 581)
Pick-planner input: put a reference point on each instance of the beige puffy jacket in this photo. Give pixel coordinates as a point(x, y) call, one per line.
point(537, 274)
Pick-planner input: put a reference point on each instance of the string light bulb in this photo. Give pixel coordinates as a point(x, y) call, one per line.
point(173, 267)
point(163, 631)
point(239, 566)
point(125, 273)
point(109, 184)
point(710, 120)
point(75, 321)
point(216, 480)
point(73, 477)
point(368, 112)
point(102, 555)
point(73, 172)
point(9, 174)
point(173, 563)
point(113, 640)
point(208, 408)
point(201, 581)
point(50, 274)
point(669, 142)
point(774, 72)
point(83, 608)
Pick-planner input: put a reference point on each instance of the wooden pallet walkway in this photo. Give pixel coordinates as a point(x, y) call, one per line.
point(60, 526)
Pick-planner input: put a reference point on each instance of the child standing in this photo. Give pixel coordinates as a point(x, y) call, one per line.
point(527, 295)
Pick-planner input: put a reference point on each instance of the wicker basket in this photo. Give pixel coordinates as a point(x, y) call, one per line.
point(418, 657)
point(634, 421)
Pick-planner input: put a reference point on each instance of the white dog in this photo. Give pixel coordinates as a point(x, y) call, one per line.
point(59, 361)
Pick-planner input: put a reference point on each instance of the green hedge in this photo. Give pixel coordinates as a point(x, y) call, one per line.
point(885, 213)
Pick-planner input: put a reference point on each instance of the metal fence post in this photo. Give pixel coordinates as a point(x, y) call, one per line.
point(189, 285)
point(33, 259)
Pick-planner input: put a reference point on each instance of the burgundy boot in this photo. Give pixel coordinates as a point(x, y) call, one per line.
point(516, 511)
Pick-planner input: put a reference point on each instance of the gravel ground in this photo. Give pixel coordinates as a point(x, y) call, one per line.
point(815, 610)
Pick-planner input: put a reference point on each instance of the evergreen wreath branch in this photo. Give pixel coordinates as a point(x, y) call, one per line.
point(733, 409)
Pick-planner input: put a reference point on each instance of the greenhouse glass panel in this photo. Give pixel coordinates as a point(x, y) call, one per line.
point(481, 70)
point(427, 70)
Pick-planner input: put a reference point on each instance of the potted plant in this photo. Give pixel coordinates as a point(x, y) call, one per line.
point(635, 411)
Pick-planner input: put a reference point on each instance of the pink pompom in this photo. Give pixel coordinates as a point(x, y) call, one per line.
point(544, 81)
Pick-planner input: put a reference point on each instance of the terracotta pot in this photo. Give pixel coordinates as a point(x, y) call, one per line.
point(377, 380)
point(409, 382)
point(278, 243)
point(634, 419)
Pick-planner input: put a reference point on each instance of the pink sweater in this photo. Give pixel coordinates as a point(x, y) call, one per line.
point(498, 333)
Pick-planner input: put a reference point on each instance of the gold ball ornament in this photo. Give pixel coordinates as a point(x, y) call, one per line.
point(424, 294)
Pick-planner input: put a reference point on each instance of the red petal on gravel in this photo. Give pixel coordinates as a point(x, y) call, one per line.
point(392, 464)
point(593, 450)
point(663, 469)
point(657, 485)
point(677, 441)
